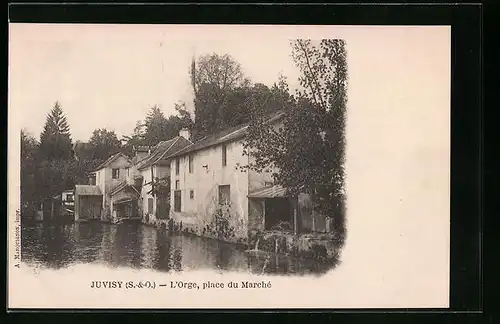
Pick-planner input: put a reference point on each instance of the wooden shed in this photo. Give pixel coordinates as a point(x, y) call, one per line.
point(88, 202)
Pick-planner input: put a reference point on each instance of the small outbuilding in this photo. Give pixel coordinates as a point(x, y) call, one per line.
point(88, 203)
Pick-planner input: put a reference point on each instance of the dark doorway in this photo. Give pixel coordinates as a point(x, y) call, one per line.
point(278, 214)
point(162, 208)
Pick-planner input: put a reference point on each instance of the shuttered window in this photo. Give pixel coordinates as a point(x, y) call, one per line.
point(177, 201)
point(224, 194)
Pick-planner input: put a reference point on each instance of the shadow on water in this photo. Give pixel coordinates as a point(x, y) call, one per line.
point(139, 246)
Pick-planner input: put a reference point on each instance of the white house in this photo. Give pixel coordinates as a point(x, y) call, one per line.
point(108, 176)
point(156, 166)
point(206, 181)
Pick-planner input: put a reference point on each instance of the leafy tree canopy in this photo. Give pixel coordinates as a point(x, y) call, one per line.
point(104, 143)
point(306, 153)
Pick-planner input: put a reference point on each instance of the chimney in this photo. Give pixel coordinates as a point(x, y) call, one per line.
point(185, 133)
point(141, 152)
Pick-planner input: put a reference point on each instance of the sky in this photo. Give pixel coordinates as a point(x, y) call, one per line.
point(108, 76)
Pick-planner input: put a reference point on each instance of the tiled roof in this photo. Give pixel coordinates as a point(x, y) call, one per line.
point(268, 192)
point(142, 148)
point(124, 200)
point(161, 150)
point(123, 185)
point(119, 187)
point(111, 159)
point(87, 190)
point(224, 136)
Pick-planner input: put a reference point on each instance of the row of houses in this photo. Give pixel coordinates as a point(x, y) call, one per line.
point(206, 191)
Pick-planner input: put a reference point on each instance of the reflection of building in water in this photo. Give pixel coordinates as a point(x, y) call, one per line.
point(191, 252)
point(108, 252)
point(148, 243)
point(175, 254)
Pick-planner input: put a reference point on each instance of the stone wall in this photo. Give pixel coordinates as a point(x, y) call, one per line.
point(317, 246)
point(222, 225)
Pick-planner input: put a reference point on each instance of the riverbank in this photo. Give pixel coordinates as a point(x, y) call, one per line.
point(139, 246)
point(320, 247)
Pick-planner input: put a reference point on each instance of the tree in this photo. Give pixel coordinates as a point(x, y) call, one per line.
point(159, 128)
point(221, 71)
point(156, 125)
point(179, 121)
point(54, 176)
point(214, 78)
point(104, 143)
point(55, 139)
point(29, 162)
point(306, 154)
point(137, 138)
point(83, 151)
point(184, 115)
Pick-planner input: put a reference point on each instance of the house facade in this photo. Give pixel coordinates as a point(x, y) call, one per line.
point(155, 170)
point(108, 176)
point(88, 203)
point(213, 197)
point(207, 180)
point(209, 187)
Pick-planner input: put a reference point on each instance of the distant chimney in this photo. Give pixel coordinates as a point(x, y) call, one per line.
point(185, 133)
point(141, 152)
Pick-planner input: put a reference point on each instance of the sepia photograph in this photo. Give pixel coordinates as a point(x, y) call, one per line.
point(188, 166)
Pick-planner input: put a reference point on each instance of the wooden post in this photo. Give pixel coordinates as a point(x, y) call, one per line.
point(295, 218)
point(152, 183)
point(263, 214)
point(52, 209)
point(313, 214)
point(77, 207)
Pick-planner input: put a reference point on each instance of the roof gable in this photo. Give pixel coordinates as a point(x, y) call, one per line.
point(87, 190)
point(111, 159)
point(123, 186)
point(162, 150)
point(225, 136)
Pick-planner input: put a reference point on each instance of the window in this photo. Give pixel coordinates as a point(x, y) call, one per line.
point(177, 166)
point(69, 197)
point(150, 205)
point(191, 194)
point(224, 155)
point(115, 173)
point(92, 180)
point(190, 164)
point(176, 184)
point(128, 172)
point(224, 194)
point(177, 201)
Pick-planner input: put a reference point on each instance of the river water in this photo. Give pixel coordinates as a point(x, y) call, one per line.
point(139, 246)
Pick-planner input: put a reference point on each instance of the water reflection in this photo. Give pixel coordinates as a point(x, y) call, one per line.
point(139, 246)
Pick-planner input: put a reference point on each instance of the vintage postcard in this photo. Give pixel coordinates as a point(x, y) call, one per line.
point(228, 166)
